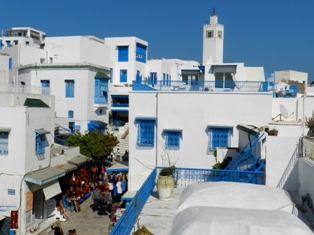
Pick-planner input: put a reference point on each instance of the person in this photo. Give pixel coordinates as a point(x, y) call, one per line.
point(72, 232)
point(56, 226)
point(96, 197)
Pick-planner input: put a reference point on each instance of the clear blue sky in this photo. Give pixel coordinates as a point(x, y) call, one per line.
point(275, 34)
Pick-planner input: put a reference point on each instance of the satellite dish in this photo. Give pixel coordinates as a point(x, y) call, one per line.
point(284, 111)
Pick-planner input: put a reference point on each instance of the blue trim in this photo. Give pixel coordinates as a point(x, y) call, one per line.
point(219, 137)
point(70, 113)
point(117, 170)
point(145, 118)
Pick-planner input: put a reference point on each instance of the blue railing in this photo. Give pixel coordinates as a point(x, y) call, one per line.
point(128, 219)
point(201, 85)
point(187, 176)
point(183, 178)
point(249, 155)
point(119, 105)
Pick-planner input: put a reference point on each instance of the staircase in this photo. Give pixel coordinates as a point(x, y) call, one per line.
point(247, 165)
point(123, 136)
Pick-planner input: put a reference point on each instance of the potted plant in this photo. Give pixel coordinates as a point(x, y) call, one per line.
point(165, 183)
point(310, 124)
point(273, 132)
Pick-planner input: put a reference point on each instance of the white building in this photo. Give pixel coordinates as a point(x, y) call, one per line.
point(77, 64)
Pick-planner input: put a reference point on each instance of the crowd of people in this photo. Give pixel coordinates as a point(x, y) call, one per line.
point(106, 189)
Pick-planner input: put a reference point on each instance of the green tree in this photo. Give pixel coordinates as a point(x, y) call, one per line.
point(94, 145)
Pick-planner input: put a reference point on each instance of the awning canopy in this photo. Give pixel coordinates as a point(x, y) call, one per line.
point(67, 167)
point(79, 160)
point(38, 103)
point(44, 176)
point(99, 124)
point(52, 190)
point(118, 167)
point(5, 129)
point(101, 74)
point(42, 131)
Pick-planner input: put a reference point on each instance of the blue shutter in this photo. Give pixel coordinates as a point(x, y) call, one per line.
point(101, 91)
point(220, 137)
point(141, 53)
point(146, 133)
point(70, 114)
point(69, 88)
point(173, 139)
point(40, 144)
point(123, 53)
point(10, 63)
point(123, 75)
point(0, 44)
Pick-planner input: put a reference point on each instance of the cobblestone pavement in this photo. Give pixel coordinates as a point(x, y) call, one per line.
point(86, 222)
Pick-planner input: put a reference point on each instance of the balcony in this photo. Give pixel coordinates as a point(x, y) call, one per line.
point(23, 89)
point(202, 86)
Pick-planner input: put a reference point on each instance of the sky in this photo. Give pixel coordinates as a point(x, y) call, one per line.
point(274, 34)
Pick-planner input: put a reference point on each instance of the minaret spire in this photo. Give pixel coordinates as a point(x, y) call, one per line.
point(214, 12)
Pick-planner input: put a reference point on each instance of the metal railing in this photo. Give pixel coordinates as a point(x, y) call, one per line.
point(23, 89)
point(289, 168)
point(126, 222)
point(201, 85)
point(183, 178)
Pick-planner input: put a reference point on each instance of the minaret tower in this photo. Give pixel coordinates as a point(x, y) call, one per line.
point(213, 41)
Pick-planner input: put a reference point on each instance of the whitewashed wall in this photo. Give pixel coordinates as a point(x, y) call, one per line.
point(279, 152)
point(83, 94)
point(306, 175)
point(191, 112)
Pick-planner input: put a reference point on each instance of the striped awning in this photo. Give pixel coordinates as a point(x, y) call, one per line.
point(118, 167)
point(44, 176)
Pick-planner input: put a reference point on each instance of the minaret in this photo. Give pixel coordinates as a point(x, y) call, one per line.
point(213, 41)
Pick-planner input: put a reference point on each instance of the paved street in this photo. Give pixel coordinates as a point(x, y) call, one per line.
point(85, 222)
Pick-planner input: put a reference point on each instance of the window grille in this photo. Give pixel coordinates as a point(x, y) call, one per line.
point(172, 139)
point(145, 134)
point(140, 53)
point(4, 143)
point(220, 137)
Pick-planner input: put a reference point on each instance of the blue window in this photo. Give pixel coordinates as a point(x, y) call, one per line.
point(40, 142)
point(140, 53)
point(146, 132)
point(138, 76)
point(0, 44)
point(123, 53)
point(4, 142)
point(123, 75)
point(70, 113)
point(219, 137)
point(153, 78)
point(69, 88)
point(173, 138)
point(45, 87)
point(10, 63)
point(101, 91)
point(8, 43)
point(163, 79)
